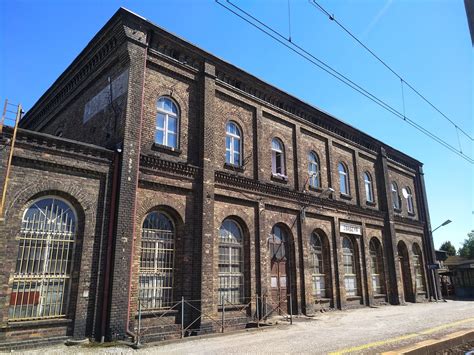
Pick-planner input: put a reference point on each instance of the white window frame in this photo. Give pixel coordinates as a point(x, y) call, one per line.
point(410, 204)
point(343, 177)
point(278, 154)
point(369, 189)
point(167, 115)
point(350, 269)
point(313, 170)
point(44, 262)
point(317, 266)
point(231, 282)
point(232, 138)
point(157, 265)
point(395, 196)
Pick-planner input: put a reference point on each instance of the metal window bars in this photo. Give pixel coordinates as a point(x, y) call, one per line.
point(41, 280)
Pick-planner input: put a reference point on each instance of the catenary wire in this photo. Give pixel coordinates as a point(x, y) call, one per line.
point(325, 67)
point(332, 18)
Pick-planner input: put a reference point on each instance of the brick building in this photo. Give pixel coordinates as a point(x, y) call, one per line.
point(153, 170)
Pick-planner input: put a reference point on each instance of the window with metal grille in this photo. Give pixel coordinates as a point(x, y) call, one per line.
point(376, 266)
point(167, 122)
point(313, 170)
point(417, 258)
point(231, 276)
point(157, 261)
point(317, 266)
point(278, 157)
point(41, 282)
point(233, 147)
point(350, 272)
point(369, 190)
point(343, 179)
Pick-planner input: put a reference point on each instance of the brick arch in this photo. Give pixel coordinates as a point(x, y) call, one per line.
point(168, 91)
point(148, 205)
point(83, 204)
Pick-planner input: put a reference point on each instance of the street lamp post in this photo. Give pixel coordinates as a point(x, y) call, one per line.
point(433, 270)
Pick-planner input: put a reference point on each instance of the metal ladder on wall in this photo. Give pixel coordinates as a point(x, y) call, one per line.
point(9, 109)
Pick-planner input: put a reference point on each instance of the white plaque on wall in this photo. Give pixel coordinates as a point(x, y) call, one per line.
point(349, 228)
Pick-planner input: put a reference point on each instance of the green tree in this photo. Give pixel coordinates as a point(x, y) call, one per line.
point(449, 248)
point(467, 249)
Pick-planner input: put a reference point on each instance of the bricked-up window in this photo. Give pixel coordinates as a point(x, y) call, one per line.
point(417, 265)
point(157, 261)
point(233, 145)
point(350, 271)
point(313, 170)
point(41, 282)
point(343, 179)
point(395, 196)
point(317, 266)
point(278, 157)
point(376, 266)
point(369, 189)
point(409, 198)
point(231, 276)
point(167, 123)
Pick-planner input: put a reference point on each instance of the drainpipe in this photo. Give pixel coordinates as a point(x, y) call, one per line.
point(134, 209)
point(108, 259)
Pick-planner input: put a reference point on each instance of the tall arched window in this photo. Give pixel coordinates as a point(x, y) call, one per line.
point(417, 265)
point(317, 266)
point(343, 179)
point(376, 266)
point(157, 261)
point(278, 157)
point(167, 122)
point(231, 271)
point(233, 145)
point(313, 170)
point(369, 189)
point(395, 196)
point(41, 282)
point(409, 197)
point(350, 269)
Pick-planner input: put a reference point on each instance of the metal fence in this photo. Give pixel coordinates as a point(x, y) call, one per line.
point(186, 317)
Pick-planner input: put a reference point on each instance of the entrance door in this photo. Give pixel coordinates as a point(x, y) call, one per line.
point(405, 272)
point(279, 270)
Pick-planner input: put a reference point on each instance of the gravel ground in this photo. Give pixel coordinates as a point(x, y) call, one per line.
point(332, 331)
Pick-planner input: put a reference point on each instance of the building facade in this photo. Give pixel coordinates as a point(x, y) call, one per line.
point(152, 171)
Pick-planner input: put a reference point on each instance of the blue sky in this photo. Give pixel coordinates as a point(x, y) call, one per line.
point(427, 42)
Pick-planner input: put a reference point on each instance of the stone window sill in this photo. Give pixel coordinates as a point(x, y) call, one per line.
point(166, 149)
point(280, 178)
point(412, 214)
point(345, 196)
point(380, 295)
point(397, 210)
point(353, 298)
point(160, 312)
point(39, 322)
point(233, 167)
point(315, 189)
point(322, 300)
point(370, 203)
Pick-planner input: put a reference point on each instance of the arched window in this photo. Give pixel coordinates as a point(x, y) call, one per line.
point(369, 190)
point(376, 266)
point(42, 278)
point(417, 265)
point(278, 157)
point(157, 261)
point(350, 270)
point(313, 170)
point(318, 271)
point(395, 196)
point(277, 243)
point(343, 179)
point(409, 197)
point(231, 271)
point(233, 145)
point(167, 122)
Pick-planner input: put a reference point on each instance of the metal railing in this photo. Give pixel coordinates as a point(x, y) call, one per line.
point(187, 318)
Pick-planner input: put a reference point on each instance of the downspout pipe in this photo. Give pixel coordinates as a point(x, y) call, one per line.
point(134, 209)
point(110, 237)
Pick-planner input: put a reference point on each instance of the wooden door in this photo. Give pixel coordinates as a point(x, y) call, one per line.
point(279, 270)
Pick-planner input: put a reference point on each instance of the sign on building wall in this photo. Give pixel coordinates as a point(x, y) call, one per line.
point(349, 228)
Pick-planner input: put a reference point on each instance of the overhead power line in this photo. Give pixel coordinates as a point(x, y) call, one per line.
point(332, 18)
point(277, 36)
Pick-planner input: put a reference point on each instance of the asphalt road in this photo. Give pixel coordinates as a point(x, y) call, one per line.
point(366, 330)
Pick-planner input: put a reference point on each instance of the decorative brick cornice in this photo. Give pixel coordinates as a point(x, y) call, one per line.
point(251, 185)
point(158, 164)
